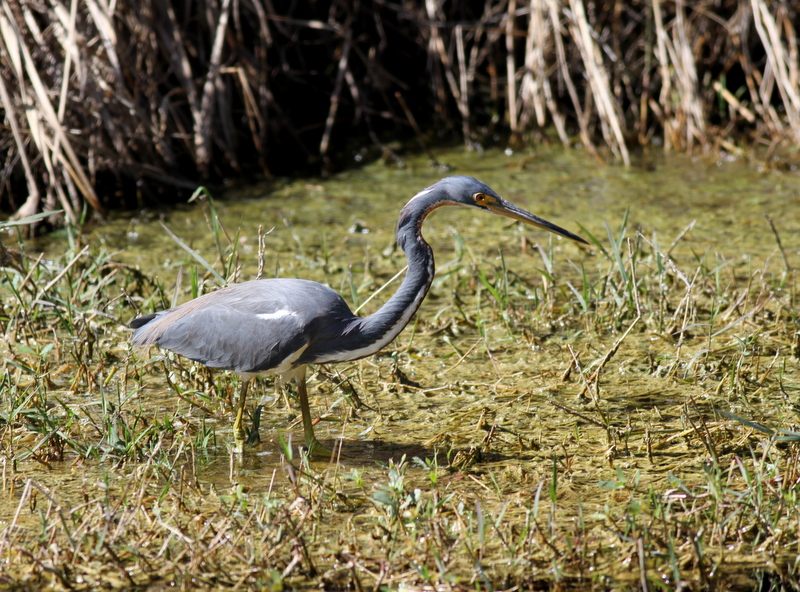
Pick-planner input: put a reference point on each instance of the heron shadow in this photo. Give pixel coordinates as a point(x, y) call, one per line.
point(359, 452)
point(345, 452)
point(363, 453)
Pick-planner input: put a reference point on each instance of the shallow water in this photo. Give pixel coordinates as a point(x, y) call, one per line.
point(467, 363)
point(340, 231)
point(727, 198)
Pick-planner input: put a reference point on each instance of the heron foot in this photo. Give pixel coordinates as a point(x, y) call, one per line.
point(240, 436)
point(317, 450)
point(243, 436)
point(239, 433)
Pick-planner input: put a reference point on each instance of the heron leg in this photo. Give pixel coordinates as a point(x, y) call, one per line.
point(239, 433)
point(312, 444)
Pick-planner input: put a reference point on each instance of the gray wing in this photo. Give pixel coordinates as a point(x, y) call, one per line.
point(229, 339)
point(248, 327)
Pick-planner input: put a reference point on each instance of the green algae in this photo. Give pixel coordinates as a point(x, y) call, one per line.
point(561, 400)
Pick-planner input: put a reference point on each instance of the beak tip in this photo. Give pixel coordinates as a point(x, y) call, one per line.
point(509, 210)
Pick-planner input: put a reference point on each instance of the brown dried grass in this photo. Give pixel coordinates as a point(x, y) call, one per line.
point(96, 94)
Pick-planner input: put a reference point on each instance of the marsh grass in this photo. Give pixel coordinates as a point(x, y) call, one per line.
point(608, 466)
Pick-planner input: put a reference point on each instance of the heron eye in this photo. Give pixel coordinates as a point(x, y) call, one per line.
point(480, 198)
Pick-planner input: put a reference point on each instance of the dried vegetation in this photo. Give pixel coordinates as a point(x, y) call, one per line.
point(610, 468)
point(107, 101)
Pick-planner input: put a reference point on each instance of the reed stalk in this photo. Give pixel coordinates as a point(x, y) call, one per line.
point(109, 104)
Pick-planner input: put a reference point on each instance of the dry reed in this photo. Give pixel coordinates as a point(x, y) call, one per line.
point(96, 95)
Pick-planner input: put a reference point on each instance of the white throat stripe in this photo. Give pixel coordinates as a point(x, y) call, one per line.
point(420, 194)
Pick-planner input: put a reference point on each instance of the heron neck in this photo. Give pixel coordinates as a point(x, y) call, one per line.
point(367, 335)
point(390, 319)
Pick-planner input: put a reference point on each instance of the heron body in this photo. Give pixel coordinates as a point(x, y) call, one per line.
point(279, 325)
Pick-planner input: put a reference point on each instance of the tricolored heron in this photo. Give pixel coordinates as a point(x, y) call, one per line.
point(279, 326)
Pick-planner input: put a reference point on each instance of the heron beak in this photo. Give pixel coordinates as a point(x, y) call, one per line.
point(509, 210)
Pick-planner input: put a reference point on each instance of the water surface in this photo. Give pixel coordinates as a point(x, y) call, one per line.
point(484, 379)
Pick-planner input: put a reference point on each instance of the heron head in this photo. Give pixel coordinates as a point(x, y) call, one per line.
point(469, 192)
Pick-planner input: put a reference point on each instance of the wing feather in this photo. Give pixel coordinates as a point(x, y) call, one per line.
point(225, 338)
